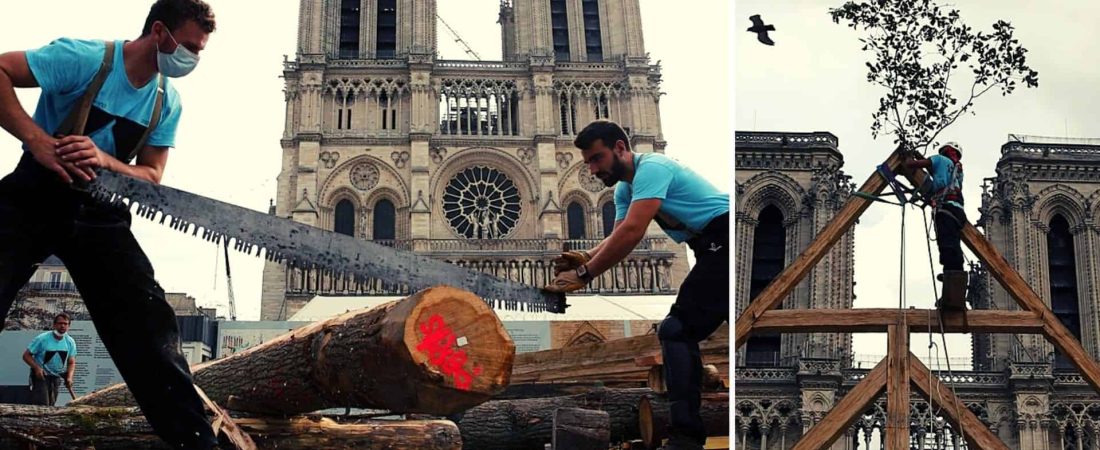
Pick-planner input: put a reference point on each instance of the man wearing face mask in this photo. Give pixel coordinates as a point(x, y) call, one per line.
point(128, 128)
point(52, 357)
point(654, 187)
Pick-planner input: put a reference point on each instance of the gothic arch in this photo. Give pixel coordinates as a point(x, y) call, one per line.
point(331, 184)
point(771, 188)
point(1064, 200)
point(571, 177)
point(400, 219)
point(589, 212)
point(494, 157)
point(328, 207)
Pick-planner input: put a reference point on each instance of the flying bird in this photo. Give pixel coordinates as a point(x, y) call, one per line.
point(761, 30)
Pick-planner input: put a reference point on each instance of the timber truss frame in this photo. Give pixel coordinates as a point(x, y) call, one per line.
point(900, 370)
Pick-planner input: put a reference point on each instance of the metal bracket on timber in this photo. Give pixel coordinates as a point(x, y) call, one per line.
point(900, 364)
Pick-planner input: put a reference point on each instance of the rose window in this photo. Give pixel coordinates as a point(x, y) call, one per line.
point(481, 203)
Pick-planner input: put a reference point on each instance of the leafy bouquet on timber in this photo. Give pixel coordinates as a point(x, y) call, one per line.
point(918, 46)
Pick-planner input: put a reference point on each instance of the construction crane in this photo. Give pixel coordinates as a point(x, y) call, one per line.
point(229, 284)
point(469, 51)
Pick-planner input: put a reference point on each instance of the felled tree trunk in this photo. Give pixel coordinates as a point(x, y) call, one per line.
point(440, 351)
point(528, 423)
point(653, 417)
point(126, 428)
point(305, 433)
point(76, 427)
point(611, 361)
point(581, 429)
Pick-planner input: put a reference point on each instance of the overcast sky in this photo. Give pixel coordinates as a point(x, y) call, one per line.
point(227, 144)
point(814, 79)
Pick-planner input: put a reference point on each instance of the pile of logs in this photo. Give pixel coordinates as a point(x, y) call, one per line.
point(441, 358)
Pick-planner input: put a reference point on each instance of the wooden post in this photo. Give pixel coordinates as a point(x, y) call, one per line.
point(782, 285)
point(931, 388)
point(822, 435)
point(897, 385)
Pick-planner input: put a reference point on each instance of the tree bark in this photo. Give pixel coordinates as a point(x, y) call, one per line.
point(611, 361)
point(653, 417)
point(440, 351)
point(581, 429)
point(528, 423)
point(126, 428)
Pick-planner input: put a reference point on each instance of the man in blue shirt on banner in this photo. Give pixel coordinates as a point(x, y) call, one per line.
point(102, 105)
point(52, 357)
point(653, 187)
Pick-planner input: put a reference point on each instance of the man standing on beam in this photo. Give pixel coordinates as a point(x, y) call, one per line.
point(944, 194)
point(689, 209)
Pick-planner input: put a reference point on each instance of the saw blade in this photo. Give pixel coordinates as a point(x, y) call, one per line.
point(299, 245)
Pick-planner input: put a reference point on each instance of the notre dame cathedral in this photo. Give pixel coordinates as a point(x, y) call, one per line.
point(1041, 211)
point(467, 161)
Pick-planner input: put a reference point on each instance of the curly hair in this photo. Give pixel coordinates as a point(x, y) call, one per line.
point(174, 13)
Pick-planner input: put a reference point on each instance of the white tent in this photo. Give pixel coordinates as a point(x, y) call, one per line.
point(581, 307)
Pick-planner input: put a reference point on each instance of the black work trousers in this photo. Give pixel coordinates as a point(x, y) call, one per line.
point(702, 305)
point(40, 216)
point(949, 222)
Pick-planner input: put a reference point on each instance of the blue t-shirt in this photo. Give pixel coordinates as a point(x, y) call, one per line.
point(945, 176)
point(688, 201)
point(52, 354)
point(119, 114)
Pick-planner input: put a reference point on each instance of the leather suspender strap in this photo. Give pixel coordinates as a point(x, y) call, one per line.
point(153, 121)
point(78, 116)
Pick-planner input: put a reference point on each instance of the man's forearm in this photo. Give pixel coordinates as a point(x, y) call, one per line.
point(134, 171)
point(614, 249)
point(13, 117)
point(71, 369)
point(27, 358)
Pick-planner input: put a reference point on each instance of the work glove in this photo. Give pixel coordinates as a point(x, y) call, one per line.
point(570, 261)
point(565, 282)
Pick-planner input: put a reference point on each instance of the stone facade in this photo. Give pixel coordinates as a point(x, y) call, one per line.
point(475, 157)
point(1016, 387)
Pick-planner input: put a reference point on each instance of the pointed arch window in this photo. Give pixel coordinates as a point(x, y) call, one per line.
point(607, 211)
point(575, 218)
point(768, 247)
point(384, 221)
point(349, 28)
point(1063, 281)
point(344, 222)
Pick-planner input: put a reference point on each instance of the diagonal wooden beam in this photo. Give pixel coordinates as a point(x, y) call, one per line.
point(1028, 300)
point(1026, 297)
point(845, 413)
point(897, 385)
point(876, 320)
point(782, 285)
point(978, 436)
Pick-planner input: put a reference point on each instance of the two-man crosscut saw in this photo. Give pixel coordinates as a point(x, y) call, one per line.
point(299, 245)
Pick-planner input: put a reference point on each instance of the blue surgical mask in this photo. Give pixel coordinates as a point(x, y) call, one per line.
point(178, 63)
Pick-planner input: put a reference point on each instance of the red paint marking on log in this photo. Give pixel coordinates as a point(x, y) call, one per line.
point(439, 342)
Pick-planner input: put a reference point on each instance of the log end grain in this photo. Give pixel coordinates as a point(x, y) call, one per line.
point(455, 337)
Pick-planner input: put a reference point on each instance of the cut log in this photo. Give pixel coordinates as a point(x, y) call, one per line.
point(527, 424)
point(611, 361)
point(308, 433)
point(713, 380)
point(440, 351)
point(581, 429)
point(653, 417)
point(126, 428)
point(562, 389)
